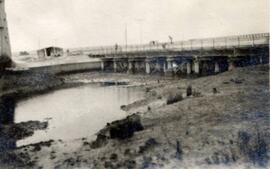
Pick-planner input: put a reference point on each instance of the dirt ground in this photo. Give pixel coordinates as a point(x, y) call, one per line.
point(225, 123)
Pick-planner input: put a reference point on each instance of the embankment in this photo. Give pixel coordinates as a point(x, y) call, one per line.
point(68, 68)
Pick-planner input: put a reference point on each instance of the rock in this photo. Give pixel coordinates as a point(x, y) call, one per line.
point(196, 94)
point(148, 89)
point(237, 81)
point(114, 157)
point(108, 164)
point(189, 91)
point(123, 107)
point(127, 152)
point(129, 164)
point(174, 97)
point(120, 129)
point(124, 129)
point(215, 90)
point(150, 143)
point(100, 141)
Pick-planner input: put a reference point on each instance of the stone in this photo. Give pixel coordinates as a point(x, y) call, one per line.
point(189, 91)
point(124, 129)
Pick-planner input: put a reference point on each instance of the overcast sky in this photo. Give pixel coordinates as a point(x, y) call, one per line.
point(78, 23)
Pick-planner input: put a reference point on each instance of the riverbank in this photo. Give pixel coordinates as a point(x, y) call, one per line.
point(224, 123)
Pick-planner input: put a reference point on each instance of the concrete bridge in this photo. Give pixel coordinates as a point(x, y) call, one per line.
point(195, 56)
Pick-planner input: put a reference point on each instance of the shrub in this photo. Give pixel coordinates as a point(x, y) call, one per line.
point(253, 147)
point(174, 97)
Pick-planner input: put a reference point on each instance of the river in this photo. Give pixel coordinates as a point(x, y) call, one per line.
point(76, 112)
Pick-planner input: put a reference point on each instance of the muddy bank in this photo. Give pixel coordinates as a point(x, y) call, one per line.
point(25, 83)
point(221, 122)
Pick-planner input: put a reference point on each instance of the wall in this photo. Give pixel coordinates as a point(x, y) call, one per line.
point(69, 68)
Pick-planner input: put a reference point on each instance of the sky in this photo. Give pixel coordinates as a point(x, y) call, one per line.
point(80, 23)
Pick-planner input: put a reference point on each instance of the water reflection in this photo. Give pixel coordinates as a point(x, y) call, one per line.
point(76, 112)
point(7, 108)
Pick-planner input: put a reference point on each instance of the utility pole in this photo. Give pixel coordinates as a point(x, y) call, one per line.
point(126, 41)
point(39, 47)
point(55, 42)
point(5, 53)
point(141, 34)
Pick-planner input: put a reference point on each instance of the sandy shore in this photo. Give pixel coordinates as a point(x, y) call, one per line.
point(223, 124)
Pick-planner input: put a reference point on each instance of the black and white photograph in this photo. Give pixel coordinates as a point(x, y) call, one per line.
point(134, 84)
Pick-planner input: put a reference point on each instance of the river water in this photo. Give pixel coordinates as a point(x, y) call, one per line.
point(76, 112)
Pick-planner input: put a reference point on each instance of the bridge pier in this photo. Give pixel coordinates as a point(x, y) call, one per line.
point(217, 67)
point(150, 65)
point(169, 63)
point(189, 68)
point(164, 66)
point(130, 66)
point(231, 62)
point(147, 67)
point(261, 59)
point(115, 66)
point(169, 70)
point(102, 65)
point(196, 64)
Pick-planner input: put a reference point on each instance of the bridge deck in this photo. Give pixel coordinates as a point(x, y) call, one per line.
point(230, 42)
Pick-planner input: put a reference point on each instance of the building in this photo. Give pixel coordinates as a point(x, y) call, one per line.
point(50, 52)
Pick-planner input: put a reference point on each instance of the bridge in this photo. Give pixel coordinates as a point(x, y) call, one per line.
point(194, 56)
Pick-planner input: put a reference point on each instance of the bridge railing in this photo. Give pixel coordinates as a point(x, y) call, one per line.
point(192, 44)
